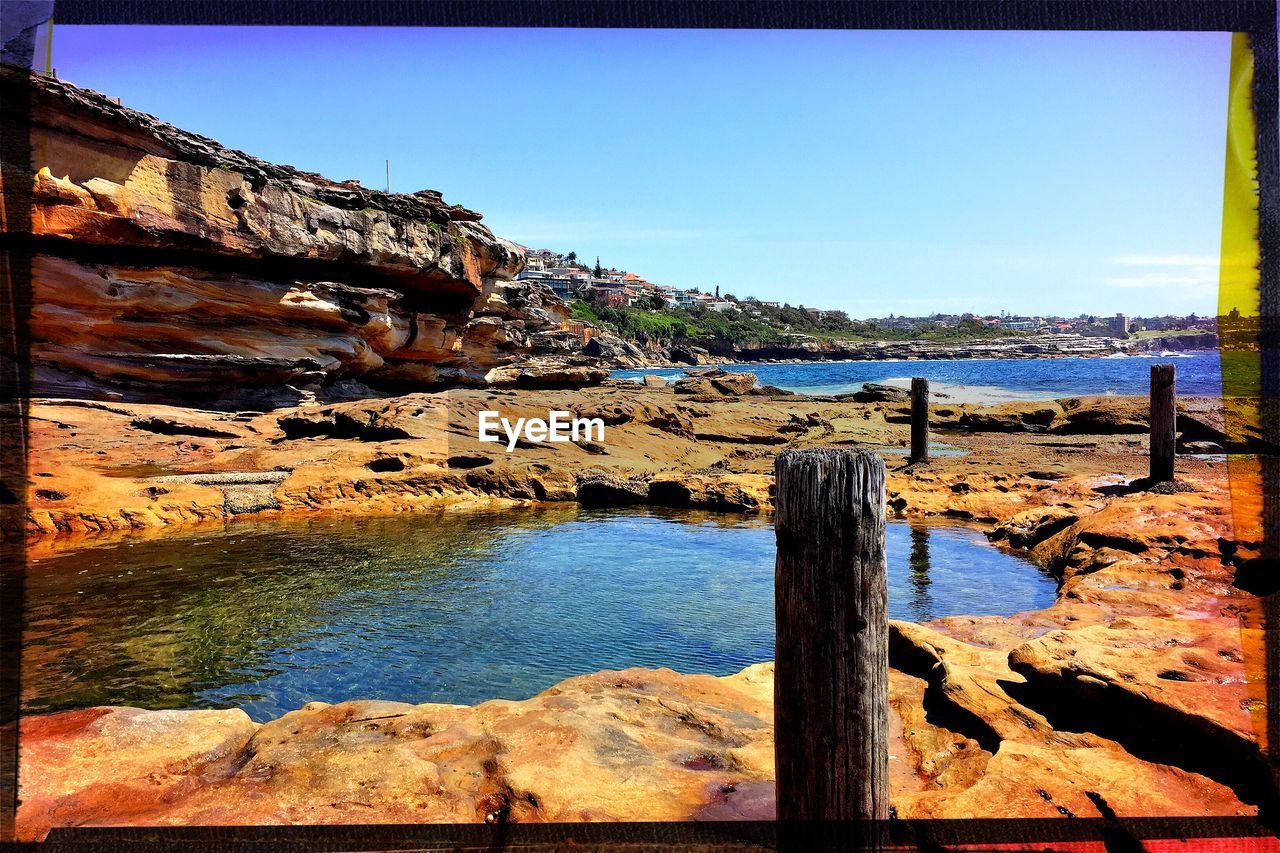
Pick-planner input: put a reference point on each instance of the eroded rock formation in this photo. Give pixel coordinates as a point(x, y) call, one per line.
point(164, 264)
point(1139, 692)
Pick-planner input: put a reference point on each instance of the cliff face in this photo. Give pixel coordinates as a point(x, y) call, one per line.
point(1182, 343)
point(165, 262)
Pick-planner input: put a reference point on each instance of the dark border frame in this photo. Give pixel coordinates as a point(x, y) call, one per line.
point(1258, 18)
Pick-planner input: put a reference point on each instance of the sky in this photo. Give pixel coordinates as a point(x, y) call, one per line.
point(877, 172)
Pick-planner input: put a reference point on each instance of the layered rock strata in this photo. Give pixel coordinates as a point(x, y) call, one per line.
point(164, 265)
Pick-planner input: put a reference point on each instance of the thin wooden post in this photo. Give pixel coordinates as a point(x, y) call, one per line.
point(831, 683)
point(919, 420)
point(1164, 403)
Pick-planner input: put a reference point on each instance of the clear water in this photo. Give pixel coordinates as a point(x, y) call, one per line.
point(989, 379)
point(452, 608)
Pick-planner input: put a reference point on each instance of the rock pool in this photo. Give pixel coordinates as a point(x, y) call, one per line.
point(268, 615)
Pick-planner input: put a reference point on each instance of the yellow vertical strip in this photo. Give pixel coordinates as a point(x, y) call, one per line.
point(1238, 327)
point(1238, 275)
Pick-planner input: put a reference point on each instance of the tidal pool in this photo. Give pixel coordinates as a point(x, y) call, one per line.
point(460, 608)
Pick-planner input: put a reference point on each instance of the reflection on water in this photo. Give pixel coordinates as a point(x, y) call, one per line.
point(269, 615)
point(921, 602)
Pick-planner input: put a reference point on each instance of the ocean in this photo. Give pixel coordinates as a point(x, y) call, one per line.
point(987, 380)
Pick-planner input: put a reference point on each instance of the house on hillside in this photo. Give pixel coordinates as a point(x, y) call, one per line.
point(540, 259)
point(606, 292)
point(678, 298)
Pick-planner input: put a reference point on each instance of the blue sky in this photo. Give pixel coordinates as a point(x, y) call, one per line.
point(877, 172)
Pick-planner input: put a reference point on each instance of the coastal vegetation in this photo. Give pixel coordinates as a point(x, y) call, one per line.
point(769, 324)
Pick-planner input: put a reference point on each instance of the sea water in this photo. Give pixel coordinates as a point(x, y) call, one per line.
point(987, 379)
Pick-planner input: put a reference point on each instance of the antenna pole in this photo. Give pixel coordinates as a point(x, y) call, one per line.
point(49, 70)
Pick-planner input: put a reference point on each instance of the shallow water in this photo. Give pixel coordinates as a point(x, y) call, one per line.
point(987, 380)
point(269, 615)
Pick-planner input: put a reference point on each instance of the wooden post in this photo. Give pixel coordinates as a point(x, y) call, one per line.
point(831, 683)
point(919, 420)
point(1164, 418)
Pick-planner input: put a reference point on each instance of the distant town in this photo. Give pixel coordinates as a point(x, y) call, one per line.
point(612, 295)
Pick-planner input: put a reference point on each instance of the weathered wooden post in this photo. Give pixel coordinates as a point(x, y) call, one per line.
point(831, 685)
point(919, 420)
point(1164, 419)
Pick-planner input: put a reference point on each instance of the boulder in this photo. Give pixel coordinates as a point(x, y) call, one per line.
point(1101, 415)
point(614, 350)
point(1010, 417)
point(547, 373)
point(604, 488)
point(1033, 526)
point(716, 382)
point(1172, 680)
point(690, 355)
point(110, 762)
point(876, 392)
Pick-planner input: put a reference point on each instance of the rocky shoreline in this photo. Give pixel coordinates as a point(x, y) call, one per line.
point(216, 337)
point(1043, 346)
point(1087, 706)
point(166, 268)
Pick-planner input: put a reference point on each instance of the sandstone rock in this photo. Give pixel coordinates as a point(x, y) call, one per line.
point(603, 488)
point(1031, 527)
point(546, 373)
point(876, 392)
point(731, 492)
point(1178, 676)
point(413, 416)
point(614, 350)
point(973, 731)
point(1232, 422)
point(1101, 415)
point(1010, 417)
point(1199, 447)
point(585, 749)
point(651, 381)
point(715, 382)
point(1035, 781)
point(173, 266)
point(103, 765)
point(529, 302)
point(733, 383)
